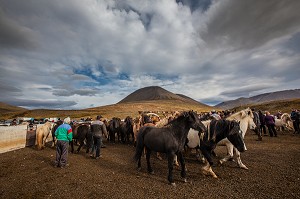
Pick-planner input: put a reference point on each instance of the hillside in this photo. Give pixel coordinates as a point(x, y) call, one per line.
point(150, 99)
point(262, 98)
point(9, 109)
point(156, 93)
point(285, 106)
point(115, 110)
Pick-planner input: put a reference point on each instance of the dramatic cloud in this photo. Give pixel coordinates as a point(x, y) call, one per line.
point(76, 54)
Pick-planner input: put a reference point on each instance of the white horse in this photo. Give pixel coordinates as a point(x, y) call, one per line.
point(285, 121)
point(245, 117)
point(42, 134)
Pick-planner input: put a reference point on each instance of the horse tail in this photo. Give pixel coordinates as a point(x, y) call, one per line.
point(140, 143)
point(39, 138)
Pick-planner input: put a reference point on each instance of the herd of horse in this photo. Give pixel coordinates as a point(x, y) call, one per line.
point(171, 135)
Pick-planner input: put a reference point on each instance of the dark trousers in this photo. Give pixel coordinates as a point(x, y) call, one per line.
point(263, 129)
point(272, 130)
point(296, 126)
point(97, 145)
point(61, 153)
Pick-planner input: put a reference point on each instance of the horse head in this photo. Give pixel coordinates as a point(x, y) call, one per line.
point(245, 117)
point(235, 136)
point(195, 122)
point(116, 122)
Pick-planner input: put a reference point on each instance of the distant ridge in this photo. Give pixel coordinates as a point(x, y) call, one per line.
point(156, 93)
point(262, 98)
point(7, 108)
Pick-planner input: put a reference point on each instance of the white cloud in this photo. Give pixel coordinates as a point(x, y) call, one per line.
point(97, 52)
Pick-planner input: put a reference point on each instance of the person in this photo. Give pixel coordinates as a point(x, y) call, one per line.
point(270, 122)
point(295, 116)
point(98, 128)
point(64, 135)
point(215, 115)
point(257, 123)
point(262, 122)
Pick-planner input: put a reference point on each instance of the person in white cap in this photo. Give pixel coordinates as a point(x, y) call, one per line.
point(64, 135)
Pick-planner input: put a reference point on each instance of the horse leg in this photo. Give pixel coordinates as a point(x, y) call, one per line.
point(207, 170)
point(229, 154)
point(171, 157)
point(158, 156)
point(72, 146)
point(148, 154)
point(175, 162)
point(183, 168)
point(200, 156)
point(239, 161)
point(81, 143)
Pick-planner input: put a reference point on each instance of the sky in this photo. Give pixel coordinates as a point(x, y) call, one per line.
point(74, 54)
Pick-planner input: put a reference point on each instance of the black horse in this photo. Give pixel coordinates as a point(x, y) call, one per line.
point(127, 130)
point(169, 139)
point(114, 128)
point(56, 125)
point(218, 130)
point(82, 133)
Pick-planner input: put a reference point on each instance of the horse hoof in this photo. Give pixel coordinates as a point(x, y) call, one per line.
point(139, 169)
point(185, 180)
point(151, 172)
point(173, 184)
point(244, 167)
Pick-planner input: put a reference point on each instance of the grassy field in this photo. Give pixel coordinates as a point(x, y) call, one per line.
point(116, 110)
point(132, 109)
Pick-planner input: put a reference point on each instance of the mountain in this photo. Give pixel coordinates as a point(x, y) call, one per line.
point(152, 99)
point(6, 108)
point(262, 98)
point(153, 93)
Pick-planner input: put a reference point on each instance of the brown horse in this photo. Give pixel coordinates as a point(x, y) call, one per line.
point(42, 134)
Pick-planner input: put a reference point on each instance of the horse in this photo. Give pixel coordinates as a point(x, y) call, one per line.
point(169, 139)
point(114, 128)
point(42, 134)
point(285, 121)
point(81, 133)
point(127, 130)
point(245, 117)
point(55, 126)
point(218, 130)
point(154, 117)
point(136, 127)
point(167, 119)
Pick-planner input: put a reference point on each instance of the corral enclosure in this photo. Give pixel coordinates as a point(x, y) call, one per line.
point(274, 172)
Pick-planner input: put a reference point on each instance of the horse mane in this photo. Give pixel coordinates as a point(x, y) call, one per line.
point(240, 114)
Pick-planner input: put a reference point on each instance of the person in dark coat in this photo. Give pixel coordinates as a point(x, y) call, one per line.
point(295, 116)
point(257, 123)
point(98, 128)
point(262, 122)
point(270, 122)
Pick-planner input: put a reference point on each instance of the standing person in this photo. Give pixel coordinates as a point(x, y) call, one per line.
point(215, 115)
point(295, 116)
point(270, 122)
point(98, 128)
point(257, 123)
point(64, 135)
point(262, 122)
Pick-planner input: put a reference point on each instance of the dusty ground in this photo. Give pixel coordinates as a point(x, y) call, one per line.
point(274, 172)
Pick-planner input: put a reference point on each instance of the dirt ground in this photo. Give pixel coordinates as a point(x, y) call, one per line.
point(274, 172)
